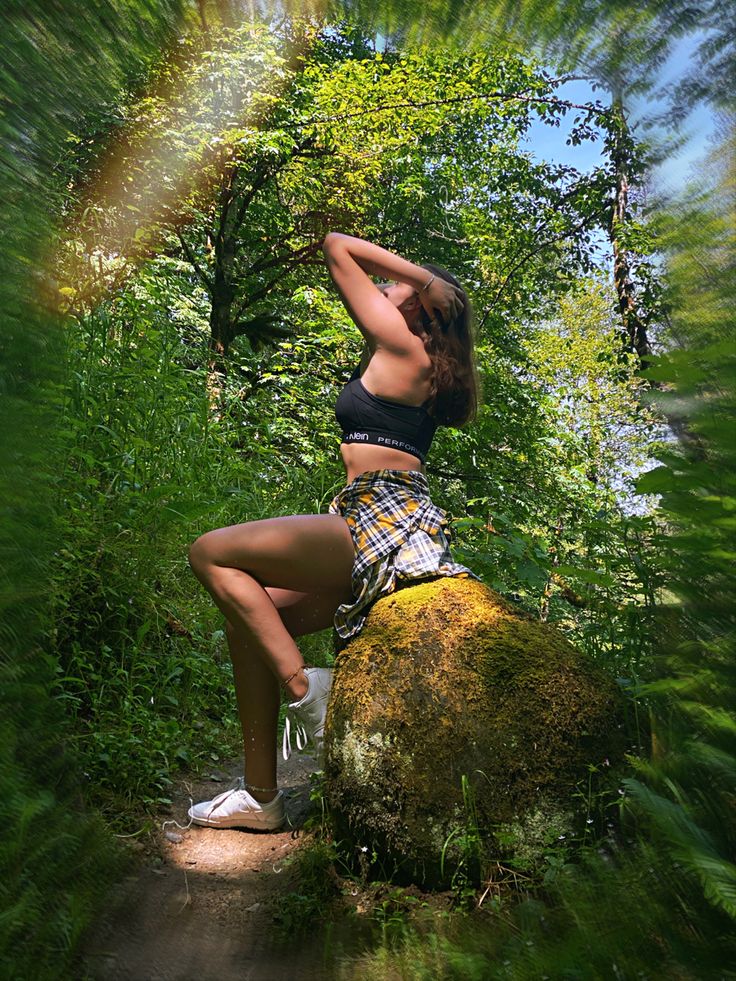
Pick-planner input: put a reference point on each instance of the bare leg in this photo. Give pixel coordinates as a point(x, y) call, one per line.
point(306, 560)
point(247, 605)
point(309, 553)
point(258, 696)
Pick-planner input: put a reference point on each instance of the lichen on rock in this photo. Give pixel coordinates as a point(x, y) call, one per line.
point(447, 678)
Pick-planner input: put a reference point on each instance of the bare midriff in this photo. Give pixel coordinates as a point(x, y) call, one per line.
point(359, 457)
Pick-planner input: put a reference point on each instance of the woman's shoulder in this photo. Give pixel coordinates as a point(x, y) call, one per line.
point(414, 359)
point(404, 378)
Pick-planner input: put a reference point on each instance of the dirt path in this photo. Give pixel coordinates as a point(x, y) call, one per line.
point(201, 907)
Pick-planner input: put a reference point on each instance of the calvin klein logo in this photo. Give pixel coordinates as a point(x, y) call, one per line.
point(389, 441)
point(365, 437)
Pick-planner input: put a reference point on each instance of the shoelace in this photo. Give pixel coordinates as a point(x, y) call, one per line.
point(301, 737)
point(237, 784)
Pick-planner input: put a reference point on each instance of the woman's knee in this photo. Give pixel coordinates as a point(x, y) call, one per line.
point(201, 554)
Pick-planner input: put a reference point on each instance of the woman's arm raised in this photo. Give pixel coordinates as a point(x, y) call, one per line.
point(377, 261)
point(352, 260)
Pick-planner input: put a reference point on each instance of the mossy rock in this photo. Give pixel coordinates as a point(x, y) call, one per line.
point(447, 678)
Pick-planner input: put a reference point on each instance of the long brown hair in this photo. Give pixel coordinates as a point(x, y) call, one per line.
point(456, 390)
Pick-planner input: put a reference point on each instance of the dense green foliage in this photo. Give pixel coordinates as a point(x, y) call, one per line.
point(56, 856)
point(172, 366)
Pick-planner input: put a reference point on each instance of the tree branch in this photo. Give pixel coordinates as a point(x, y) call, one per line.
point(270, 171)
point(261, 264)
point(193, 260)
point(502, 96)
point(524, 258)
point(287, 266)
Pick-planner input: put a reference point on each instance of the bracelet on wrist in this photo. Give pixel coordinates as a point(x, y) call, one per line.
point(426, 285)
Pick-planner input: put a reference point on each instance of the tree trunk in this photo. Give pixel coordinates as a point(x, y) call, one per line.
point(633, 328)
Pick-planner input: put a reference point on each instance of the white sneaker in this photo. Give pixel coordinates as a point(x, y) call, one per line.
point(235, 808)
point(307, 716)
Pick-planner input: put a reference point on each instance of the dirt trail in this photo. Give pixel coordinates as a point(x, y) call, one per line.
point(201, 908)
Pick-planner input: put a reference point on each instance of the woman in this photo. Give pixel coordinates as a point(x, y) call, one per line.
point(279, 578)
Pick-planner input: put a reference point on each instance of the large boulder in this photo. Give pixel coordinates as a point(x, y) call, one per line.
point(451, 694)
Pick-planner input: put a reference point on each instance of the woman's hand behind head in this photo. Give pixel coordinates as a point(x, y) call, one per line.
point(442, 300)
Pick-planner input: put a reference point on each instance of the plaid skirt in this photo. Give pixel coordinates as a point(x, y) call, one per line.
point(399, 536)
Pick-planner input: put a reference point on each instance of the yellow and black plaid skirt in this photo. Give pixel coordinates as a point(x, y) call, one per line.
point(399, 536)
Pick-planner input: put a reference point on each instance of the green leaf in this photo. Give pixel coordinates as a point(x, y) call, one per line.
point(586, 575)
point(656, 481)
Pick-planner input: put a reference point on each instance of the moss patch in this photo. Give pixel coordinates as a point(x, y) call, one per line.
point(447, 678)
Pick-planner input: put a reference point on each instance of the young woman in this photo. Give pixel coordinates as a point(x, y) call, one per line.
point(279, 578)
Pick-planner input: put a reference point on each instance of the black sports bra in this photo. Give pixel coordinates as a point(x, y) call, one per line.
point(369, 418)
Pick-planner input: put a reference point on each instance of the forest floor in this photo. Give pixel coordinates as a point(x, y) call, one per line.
point(207, 904)
point(200, 903)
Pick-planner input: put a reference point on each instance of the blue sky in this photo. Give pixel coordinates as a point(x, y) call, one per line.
point(549, 142)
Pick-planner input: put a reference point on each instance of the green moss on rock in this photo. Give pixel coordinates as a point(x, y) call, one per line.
point(449, 678)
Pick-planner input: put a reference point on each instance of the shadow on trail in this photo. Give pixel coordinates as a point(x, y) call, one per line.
point(203, 906)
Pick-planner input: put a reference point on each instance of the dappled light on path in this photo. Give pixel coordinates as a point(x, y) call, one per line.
point(203, 907)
